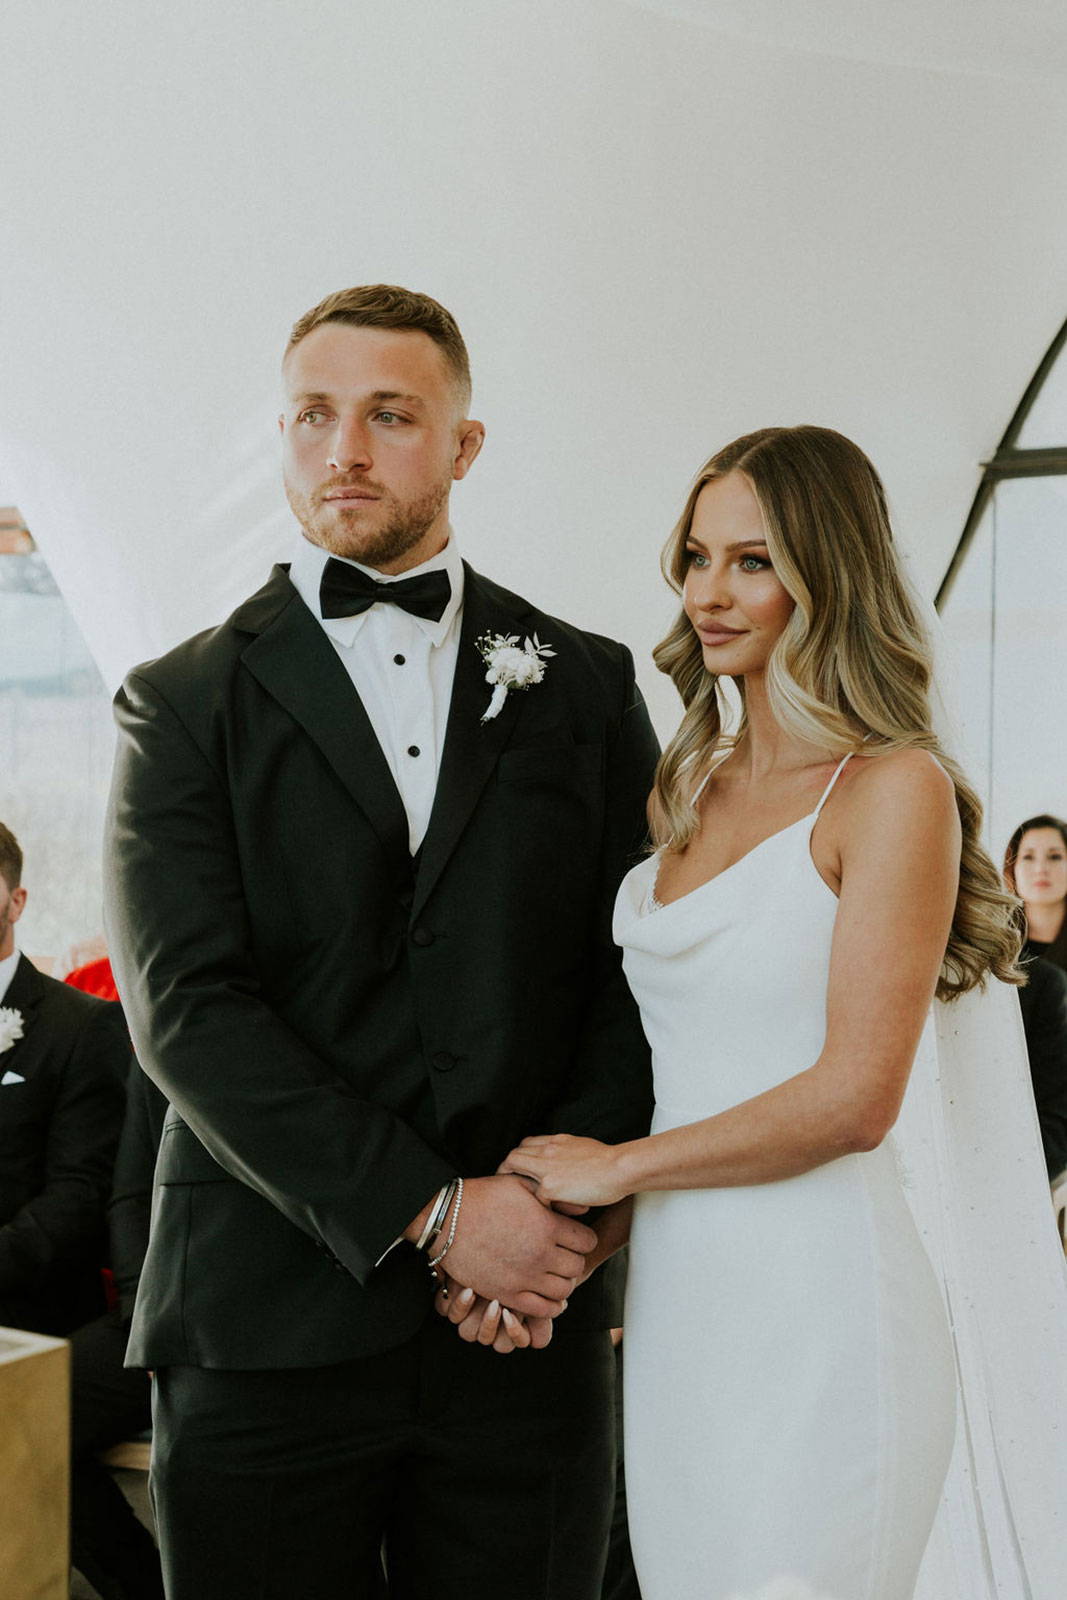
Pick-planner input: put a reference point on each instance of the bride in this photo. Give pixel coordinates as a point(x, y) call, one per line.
point(792, 1352)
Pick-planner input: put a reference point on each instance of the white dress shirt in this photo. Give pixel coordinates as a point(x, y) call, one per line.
point(7, 972)
point(402, 667)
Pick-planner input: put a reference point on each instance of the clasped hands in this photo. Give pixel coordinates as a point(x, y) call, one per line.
point(520, 1250)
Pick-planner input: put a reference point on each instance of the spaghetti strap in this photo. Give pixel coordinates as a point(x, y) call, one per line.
point(702, 785)
point(826, 792)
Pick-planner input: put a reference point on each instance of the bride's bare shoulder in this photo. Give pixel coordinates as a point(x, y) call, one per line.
point(902, 769)
point(900, 784)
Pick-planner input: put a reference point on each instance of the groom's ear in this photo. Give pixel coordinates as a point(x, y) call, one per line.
point(470, 441)
point(16, 904)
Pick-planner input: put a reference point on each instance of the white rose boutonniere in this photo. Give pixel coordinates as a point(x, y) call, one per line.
point(511, 666)
point(10, 1027)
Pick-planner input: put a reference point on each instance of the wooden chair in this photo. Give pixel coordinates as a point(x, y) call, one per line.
point(135, 1454)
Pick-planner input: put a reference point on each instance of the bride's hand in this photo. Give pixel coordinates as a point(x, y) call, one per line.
point(564, 1207)
point(478, 1321)
point(567, 1168)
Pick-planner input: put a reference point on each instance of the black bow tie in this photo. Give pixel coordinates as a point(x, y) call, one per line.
point(345, 591)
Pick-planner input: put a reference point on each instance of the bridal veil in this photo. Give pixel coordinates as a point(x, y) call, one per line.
point(974, 1175)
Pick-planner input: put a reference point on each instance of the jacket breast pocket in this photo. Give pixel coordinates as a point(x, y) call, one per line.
point(551, 765)
point(183, 1159)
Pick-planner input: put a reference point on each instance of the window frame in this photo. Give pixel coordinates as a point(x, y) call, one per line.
point(1009, 461)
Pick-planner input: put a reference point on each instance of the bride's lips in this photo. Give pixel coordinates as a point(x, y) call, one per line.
point(718, 634)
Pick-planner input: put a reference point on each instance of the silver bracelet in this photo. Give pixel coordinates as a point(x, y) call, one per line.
point(438, 1212)
point(441, 1210)
point(452, 1227)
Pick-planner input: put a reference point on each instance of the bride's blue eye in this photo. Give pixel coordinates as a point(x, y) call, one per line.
point(758, 564)
point(696, 558)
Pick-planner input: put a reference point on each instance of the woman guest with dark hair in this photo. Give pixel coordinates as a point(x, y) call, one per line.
point(1035, 868)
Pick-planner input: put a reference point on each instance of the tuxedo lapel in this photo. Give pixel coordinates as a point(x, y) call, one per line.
point(24, 994)
point(26, 988)
point(472, 747)
point(295, 662)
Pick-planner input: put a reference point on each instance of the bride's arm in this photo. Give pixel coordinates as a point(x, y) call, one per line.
point(896, 837)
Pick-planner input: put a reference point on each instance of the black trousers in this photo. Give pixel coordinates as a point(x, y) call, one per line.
point(108, 1403)
point(478, 1474)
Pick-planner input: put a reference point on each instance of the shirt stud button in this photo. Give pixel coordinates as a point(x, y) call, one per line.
point(413, 750)
point(400, 660)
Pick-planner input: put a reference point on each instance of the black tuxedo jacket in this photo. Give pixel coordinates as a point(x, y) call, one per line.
point(340, 1030)
point(61, 1105)
point(129, 1212)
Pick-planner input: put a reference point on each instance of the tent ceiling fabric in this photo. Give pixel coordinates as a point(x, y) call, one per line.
point(655, 236)
point(1026, 37)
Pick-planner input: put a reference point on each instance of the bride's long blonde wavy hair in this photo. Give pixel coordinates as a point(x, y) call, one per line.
point(851, 669)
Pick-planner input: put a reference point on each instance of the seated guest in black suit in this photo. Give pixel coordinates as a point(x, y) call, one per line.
point(63, 1059)
point(109, 1401)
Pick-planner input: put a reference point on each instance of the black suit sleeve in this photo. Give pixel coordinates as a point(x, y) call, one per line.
point(130, 1212)
point(65, 1216)
point(269, 1111)
point(1044, 1009)
point(609, 1093)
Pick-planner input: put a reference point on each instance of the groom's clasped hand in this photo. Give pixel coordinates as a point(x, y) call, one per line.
point(513, 1265)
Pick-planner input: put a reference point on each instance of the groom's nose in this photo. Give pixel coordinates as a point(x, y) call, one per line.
point(350, 446)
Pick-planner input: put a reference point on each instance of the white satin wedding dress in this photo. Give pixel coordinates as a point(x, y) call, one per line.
point(790, 1381)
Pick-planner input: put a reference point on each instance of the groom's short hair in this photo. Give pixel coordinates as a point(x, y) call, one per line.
point(386, 305)
point(10, 858)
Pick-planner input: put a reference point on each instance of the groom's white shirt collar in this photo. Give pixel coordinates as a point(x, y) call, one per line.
point(306, 575)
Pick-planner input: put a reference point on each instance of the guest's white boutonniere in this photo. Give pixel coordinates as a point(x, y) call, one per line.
point(10, 1027)
point(510, 665)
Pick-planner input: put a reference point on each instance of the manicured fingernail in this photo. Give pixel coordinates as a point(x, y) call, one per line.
point(493, 1307)
point(465, 1297)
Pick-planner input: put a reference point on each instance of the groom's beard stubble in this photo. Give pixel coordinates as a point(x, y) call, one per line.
point(346, 533)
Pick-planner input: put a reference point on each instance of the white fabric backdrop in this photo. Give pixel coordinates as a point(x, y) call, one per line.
point(655, 235)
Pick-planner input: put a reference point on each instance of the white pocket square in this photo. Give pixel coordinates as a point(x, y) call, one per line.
point(12, 1077)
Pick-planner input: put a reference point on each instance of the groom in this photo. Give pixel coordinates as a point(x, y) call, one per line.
point(362, 932)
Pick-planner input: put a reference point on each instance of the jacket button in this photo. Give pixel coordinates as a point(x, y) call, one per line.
point(422, 937)
point(444, 1061)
